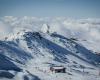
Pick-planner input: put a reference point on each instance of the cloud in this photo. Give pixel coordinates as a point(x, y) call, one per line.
point(84, 29)
point(4, 30)
point(95, 33)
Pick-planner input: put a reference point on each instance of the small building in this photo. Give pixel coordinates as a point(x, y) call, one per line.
point(58, 69)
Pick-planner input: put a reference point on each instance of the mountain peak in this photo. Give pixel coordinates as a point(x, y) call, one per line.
point(45, 28)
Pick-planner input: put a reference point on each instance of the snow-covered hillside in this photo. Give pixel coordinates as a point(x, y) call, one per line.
point(32, 47)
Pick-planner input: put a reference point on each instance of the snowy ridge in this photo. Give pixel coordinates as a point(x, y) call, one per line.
point(34, 52)
point(86, 30)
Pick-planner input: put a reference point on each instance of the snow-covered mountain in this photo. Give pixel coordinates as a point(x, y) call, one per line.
point(28, 53)
point(86, 30)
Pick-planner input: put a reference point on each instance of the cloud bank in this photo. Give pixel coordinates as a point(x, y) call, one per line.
point(83, 29)
point(4, 30)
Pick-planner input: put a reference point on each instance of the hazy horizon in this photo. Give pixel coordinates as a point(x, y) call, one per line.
point(51, 8)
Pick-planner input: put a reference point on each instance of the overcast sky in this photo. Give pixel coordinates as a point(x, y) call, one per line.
point(51, 8)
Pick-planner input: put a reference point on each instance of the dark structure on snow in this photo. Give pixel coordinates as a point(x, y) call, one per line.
point(58, 69)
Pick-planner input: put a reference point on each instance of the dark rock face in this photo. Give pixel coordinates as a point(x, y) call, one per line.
point(6, 64)
point(5, 74)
